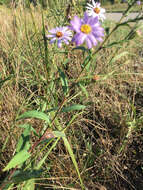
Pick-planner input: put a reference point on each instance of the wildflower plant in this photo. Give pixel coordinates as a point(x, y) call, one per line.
point(88, 30)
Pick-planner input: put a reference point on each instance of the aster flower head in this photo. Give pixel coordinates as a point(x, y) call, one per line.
point(138, 2)
point(60, 35)
point(87, 30)
point(95, 10)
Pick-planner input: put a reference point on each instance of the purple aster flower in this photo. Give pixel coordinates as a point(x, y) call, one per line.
point(138, 2)
point(59, 35)
point(87, 29)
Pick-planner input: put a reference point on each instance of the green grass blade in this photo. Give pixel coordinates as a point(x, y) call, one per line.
point(67, 145)
point(46, 155)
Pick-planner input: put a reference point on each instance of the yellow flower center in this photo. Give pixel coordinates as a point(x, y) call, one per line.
point(85, 28)
point(97, 10)
point(59, 34)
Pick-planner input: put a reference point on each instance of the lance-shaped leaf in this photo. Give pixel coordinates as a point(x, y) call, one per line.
point(19, 158)
point(64, 81)
point(34, 114)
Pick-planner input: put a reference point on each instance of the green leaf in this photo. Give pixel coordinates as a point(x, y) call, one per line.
point(19, 158)
point(20, 176)
point(64, 81)
point(53, 109)
point(24, 141)
point(34, 114)
point(80, 48)
point(31, 128)
point(29, 185)
point(107, 30)
point(86, 61)
point(73, 108)
point(69, 108)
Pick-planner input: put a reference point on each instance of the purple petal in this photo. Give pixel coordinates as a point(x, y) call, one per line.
point(50, 36)
point(63, 29)
point(54, 30)
point(79, 38)
point(94, 20)
point(97, 33)
point(92, 39)
point(66, 41)
point(67, 34)
point(86, 18)
point(96, 24)
point(52, 41)
point(97, 36)
point(100, 29)
point(88, 43)
point(59, 43)
point(67, 38)
point(75, 24)
point(66, 30)
point(99, 39)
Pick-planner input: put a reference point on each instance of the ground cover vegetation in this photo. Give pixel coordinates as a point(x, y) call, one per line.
point(71, 113)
